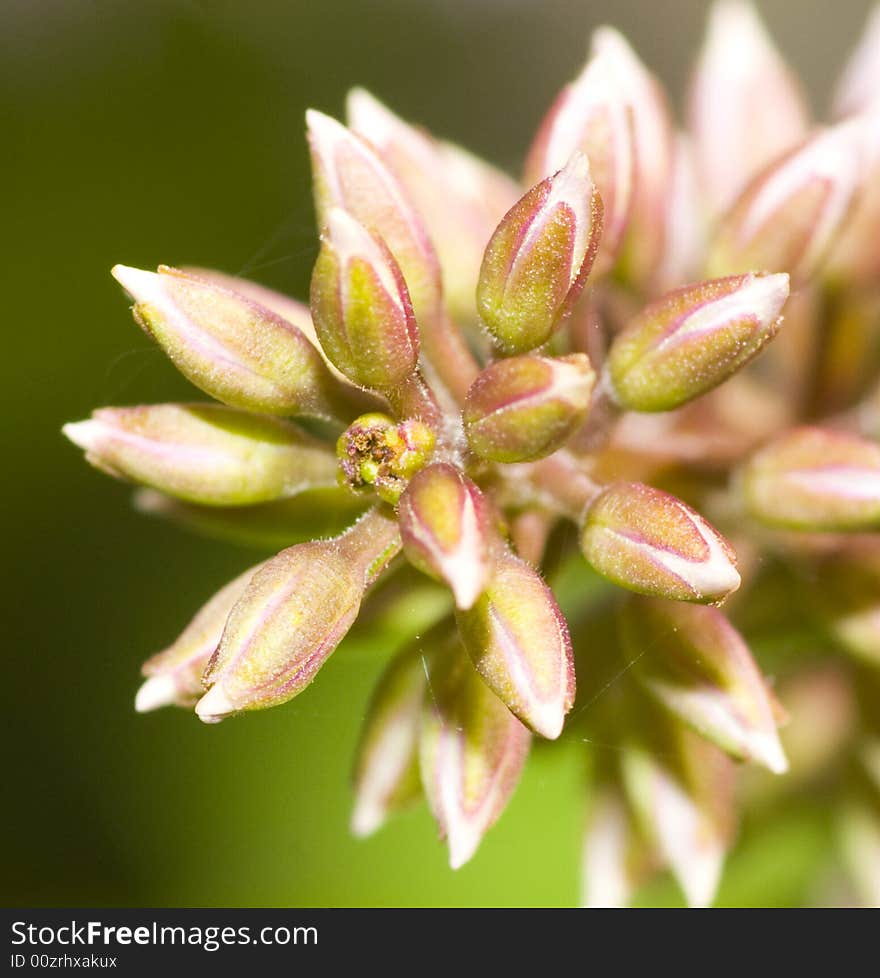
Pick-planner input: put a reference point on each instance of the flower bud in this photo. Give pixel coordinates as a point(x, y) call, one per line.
point(592, 116)
point(524, 408)
point(815, 479)
point(653, 146)
point(684, 222)
point(444, 526)
point(848, 595)
point(175, 674)
point(376, 451)
point(859, 85)
point(611, 860)
point(295, 611)
point(472, 751)
point(539, 257)
point(206, 453)
point(790, 214)
point(460, 198)
point(361, 307)
point(693, 339)
point(694, 662)
point(232, 348)
point(349, 174)
point(680, 787)
point(648, 541)
point(518, 640)
point(386, 773)
point(746, 108)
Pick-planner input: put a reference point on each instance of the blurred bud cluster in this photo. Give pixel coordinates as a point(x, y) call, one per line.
point(544, 395)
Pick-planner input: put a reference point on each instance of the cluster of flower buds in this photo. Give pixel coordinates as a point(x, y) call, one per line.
point(480, 398)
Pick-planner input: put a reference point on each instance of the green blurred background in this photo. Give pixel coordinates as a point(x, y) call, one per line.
point(147, 132)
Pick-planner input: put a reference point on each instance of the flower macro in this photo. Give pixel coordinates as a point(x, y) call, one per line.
point(622, 414)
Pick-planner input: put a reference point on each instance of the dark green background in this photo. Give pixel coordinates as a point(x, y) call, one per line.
point(141, 133)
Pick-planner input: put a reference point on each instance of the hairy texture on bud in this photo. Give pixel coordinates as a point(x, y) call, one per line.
point(237, 351)
point(472, 751)
point(539, 257)
point(460, 197)
point(859, 85)
point(648, 541)
point(445, 529)
point(593, 116)
point(205, 453)
point(693, 339)
point(386, 772)
point(361, 306)
point(815, 479)
point(349, 174)
point(790, 214)
point(695, 663)
point(294, 613)
point(653, 146)
point(524, 408)
point(519, 642)
point(680, 788)
point(746, 108)
point(174, 676)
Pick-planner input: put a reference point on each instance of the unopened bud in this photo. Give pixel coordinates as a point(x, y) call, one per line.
point(295, 611)
point(460, 198)
point(746, 107)
point(205, 453)
point(386, 773)
point(361, 307)
point(593, 116)
point(174, 676)
point(445, 530)
point(693, 339)
point(815, 479)
point(790, 214)
point(695, 663)
point(539, 257)
point(472, 751)
point(519, 642)
point(237, 351)
point(649, 541)
point(611, 860)
point(524, 408)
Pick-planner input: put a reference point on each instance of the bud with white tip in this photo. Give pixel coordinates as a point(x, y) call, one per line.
point(648, 541)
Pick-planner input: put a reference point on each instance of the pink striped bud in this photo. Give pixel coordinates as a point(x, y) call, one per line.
point(174, 676)
point(460, 198)
point(524, 408)
point(518, 640)
point(237, 351)
point(539, 257)
point(694, 662)
point(445, 528)
point(680, 787)
point(653, 143)
point(746, 107)
point(361, 307)
point(592, 116)
point(693, 339)
point(648, 541)
point(790, 214)
point(472, 751)
point(295, 611)
point(859, 85)
point(206, 453)
point(386, 773)
point(815, 479)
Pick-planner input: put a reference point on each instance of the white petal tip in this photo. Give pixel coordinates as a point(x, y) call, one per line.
point(700, 878)
point(463, 843)
point(84, 434)
point(366, 819)
point(215, 705)
point(139, 284)
point(547, 720)
point(767, 750)
point(157, 691)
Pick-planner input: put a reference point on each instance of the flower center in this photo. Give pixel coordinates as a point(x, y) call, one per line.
point(375, 451)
